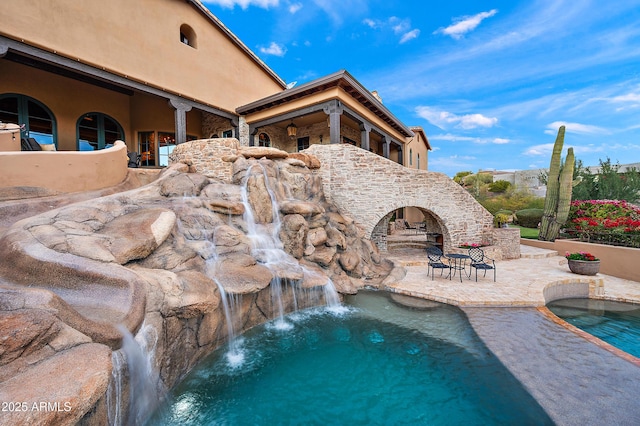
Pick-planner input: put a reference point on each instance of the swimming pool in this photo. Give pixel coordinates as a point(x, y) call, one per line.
point(617, 323)
point(377, 362)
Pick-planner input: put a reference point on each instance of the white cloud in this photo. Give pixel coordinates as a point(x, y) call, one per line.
point(397, 25)
point(410, 36)
point(456, 138)
point(631, 97)
point(544, 149)
point(583, 129)
point(244, 4)
point(452, 162)
point(295, 7)
point(465, 24)
point(274, 49)
point(370, 23)
point(444, 119)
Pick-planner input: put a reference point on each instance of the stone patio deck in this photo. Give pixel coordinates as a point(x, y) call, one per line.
point(519, 283)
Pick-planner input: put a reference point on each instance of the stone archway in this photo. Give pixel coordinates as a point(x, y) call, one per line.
point(434, 225)
point(369, 188)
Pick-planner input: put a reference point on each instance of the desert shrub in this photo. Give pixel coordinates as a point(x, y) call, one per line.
point(529, 218)
point(499, 186)
point(512, 200)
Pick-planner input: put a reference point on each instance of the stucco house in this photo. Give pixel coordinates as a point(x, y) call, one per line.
point(156, 73)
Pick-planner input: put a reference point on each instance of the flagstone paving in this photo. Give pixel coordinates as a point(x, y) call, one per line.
point(520, 282)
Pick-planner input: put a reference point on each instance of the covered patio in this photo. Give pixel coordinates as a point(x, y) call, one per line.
point(331, 110)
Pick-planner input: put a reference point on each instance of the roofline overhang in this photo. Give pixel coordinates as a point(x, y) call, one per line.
point(234, 39)
point(341, 79)
point(69, 67)
point(418, 129)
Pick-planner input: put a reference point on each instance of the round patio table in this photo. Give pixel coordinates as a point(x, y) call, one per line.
point(459, 264)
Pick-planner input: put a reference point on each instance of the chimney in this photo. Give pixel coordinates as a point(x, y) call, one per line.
point(375, 95)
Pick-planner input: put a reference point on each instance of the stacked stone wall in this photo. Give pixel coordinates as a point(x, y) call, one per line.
point(211, 157)
point(368, 187)
point(214, 125)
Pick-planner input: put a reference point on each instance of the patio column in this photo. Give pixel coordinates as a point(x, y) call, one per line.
point(180, 113)
point(364, 138)
point(400, 156)
point(385, 147)
point(334, 109)
point(236, 128)
point(252, 133)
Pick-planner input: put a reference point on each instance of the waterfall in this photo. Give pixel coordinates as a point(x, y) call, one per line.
point(231, 304)
point(135, 362)
point(267, 248)
point(266, 244)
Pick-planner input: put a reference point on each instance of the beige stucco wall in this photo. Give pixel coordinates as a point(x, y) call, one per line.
point(65, 171)
point(140, 40)
point(620, 262)
point(415, 146)
point(67, 99)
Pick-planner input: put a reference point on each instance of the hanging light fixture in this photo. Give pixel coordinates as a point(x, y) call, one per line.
point(292, 130)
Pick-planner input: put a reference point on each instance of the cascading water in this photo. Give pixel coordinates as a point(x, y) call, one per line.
point(266, 243)
point(135, 362)
point(231, 304)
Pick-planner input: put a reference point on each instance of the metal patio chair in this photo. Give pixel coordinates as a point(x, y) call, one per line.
point(482, 262)
point(436, 261)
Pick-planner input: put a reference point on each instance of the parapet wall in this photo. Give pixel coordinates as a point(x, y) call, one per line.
point(65, 171)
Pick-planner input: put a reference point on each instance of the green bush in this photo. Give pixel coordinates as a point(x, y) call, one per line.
point(513, 201)
point(499, 186)
point(529, 218)
point(505, 211)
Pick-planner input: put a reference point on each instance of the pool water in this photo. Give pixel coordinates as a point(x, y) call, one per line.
point(616, 323)
point(377, 362)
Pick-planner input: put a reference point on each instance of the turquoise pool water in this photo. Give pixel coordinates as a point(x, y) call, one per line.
point(375, 363)
point(616, 323)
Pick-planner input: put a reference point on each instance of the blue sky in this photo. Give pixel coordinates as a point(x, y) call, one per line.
point(489, 81)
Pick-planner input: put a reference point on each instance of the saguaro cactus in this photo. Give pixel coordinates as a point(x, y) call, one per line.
point(559, 186)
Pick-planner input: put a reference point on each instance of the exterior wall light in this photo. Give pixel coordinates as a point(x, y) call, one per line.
point(292, 130)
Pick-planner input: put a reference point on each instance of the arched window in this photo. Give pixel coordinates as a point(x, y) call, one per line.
point(264, 140)
point(37, 118)
point(410, 157)
point(97, 131)
point(188, 36)
point(418, 160)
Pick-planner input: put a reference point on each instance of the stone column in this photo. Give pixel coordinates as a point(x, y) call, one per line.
point(181, 109)
point(243, 131)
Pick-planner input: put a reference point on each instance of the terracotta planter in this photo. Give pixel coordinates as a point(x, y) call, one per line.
point(584, 267)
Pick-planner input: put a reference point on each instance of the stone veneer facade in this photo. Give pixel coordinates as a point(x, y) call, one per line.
point(369, 188)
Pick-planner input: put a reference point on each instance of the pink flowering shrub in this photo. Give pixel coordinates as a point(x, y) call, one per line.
point(606, 221)
point(604, 215)
point(472, 245)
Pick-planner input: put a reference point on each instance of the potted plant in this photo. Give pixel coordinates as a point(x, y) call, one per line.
point(583, 263)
